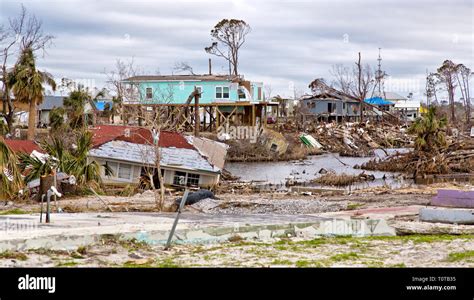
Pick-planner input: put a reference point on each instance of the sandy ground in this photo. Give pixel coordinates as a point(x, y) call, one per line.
point(407, 251)
point(401, 251)
point(257, 203)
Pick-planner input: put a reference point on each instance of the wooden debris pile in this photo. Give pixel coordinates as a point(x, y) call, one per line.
point(458, 157)
point(360, 139)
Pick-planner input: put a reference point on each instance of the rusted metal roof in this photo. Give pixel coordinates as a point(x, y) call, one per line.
point(23, 146)
point(137, 135)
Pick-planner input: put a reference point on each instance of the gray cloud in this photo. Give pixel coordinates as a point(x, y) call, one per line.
point(291, 41)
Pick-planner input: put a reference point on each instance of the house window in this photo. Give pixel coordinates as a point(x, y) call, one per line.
point(125, 171)
point(177, 178)
point(259, 93)
point(222, 92)
point(331, 107)
point(149, 93)
point(113, 167)
point(274, 147)
point(193, 179)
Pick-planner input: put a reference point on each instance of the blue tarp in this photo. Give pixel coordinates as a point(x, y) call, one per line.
point(378, 101)
point(100, 104)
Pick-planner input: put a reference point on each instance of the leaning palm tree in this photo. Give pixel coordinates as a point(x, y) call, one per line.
point(11, 181)
point(70, 160)
point(27, 85)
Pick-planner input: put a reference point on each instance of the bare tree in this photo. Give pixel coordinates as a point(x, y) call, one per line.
point(22, 32)
point(343, 78)
point(183, 66)
point(447, 74)
point(125, 91)
point(268, 91)
point(231, 34)
point(365, 80)
point(432, 82)
point(463, 76)
point(152, 154)
point(356, 82)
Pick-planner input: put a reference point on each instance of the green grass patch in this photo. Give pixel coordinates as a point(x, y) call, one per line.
point(420, 238)
point(281, 262)
point(13, 255)
point(308, 264)
point(135, 264)
point(354, 206)
point(15, 211)
point(400, 265)
point(167, 263)
point(461, 256)
point(345, 256)
point(67, 264)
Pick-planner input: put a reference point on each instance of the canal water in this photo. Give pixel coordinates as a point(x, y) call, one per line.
point(305, 170)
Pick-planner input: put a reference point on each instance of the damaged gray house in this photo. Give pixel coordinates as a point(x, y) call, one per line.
point(330, 106)
point(130, 151)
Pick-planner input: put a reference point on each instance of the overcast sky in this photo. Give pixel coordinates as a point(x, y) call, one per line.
point(291, 43)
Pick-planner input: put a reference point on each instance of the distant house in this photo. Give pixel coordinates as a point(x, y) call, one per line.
point(331, 105)
point(391, 96)
point(130, 151)
point(408, 110)
point(224, 99)
point(49, 102)
point(380, 103)
point(175, 89)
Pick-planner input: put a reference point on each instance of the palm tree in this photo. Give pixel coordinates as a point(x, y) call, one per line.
point(10, 178)
point(72, 161)
point(75, 104)
point(56, 118)
point(430, 131)
point(27, 85)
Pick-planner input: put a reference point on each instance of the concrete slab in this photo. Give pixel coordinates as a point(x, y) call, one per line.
point(69, 231)
point(376, 213)
point(447, 215)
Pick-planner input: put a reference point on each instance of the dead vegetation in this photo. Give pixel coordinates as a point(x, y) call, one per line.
point(342, 179)
point(457, 158)
point(435, 152)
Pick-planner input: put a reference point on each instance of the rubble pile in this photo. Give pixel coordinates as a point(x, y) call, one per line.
point(458, 157)
point(360, 139)
point(347, 139)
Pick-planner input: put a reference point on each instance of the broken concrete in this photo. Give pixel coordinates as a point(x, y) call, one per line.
point(447, 215)
point(69, 231)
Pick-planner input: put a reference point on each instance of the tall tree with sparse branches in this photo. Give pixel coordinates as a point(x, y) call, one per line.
point(447, 74)
point(463, 76)
point(228, 37)
point(355, 82)
point(22, 32)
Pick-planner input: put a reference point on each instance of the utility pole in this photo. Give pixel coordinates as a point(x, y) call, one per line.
point(379, 74)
